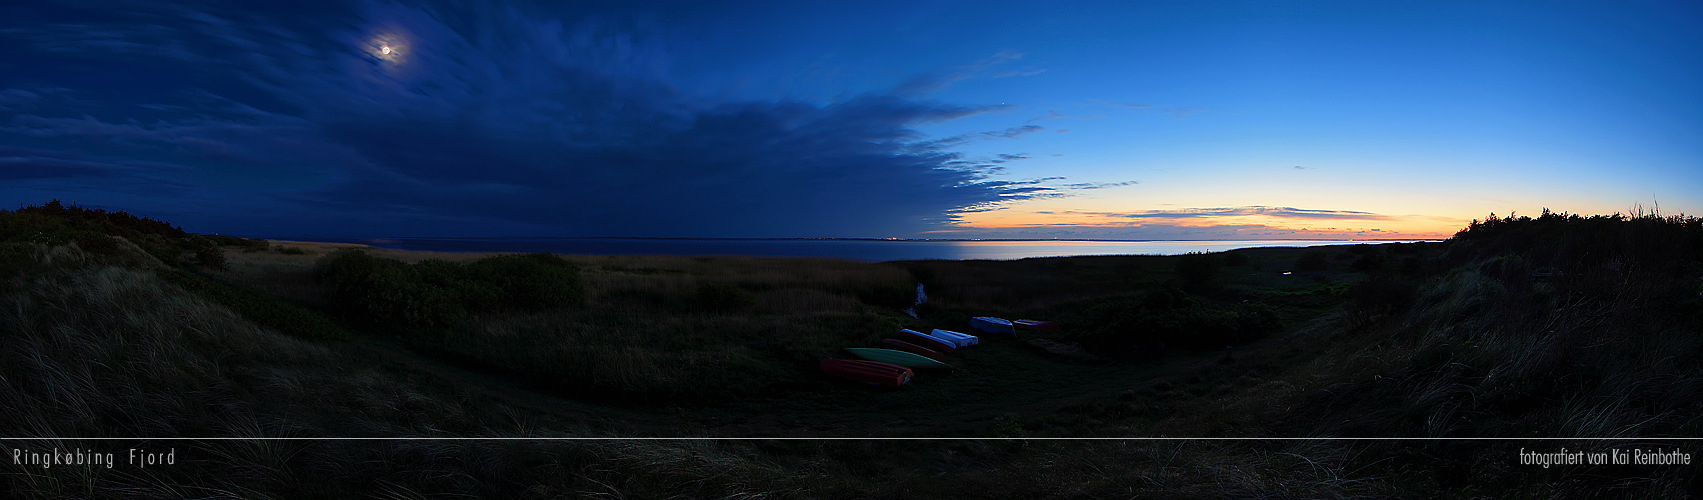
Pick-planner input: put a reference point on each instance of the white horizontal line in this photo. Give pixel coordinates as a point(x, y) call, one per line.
point(855, 439)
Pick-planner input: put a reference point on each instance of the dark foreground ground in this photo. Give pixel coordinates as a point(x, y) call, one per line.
point(472, 370)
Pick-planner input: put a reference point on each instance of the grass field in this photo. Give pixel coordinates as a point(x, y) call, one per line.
point(1559, 326)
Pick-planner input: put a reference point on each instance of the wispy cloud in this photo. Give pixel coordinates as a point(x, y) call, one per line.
point(1183, 112)
point(936, 80)
point(1120, 104)
point(1013, 132)
point(1220, 212)
point(1098, 185)
point(481, 118)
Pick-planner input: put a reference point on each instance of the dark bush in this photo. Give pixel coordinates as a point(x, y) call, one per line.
point(290, 251)
point(1130, 328)
point(889, 296)
point(208, 253)
point(226, 241)
point(434, 296)
point(262, 309)
point(721, 297)
point(97, 243)
point(1196, 268)
point(1312, 260)
point(1377, 298)
point(55, 219)
point(1237, 259)
point(923, 273)
point(1369, 263)
point(386, 294)
point(530, 282)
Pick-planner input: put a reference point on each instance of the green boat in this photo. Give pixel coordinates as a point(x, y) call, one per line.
point(900, 358)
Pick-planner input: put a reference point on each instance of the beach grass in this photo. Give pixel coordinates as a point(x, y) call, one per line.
point(1562, 326)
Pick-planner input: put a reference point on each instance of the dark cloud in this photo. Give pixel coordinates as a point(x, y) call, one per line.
point(387, 120)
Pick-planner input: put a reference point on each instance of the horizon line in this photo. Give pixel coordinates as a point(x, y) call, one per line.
point(807, 238)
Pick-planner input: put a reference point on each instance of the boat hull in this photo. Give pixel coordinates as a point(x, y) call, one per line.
point(1036, 325)
point(922, 339)
point(900, 358)
point(912, 348)
point(955, 338)
point(874, 372)
point(992, 325)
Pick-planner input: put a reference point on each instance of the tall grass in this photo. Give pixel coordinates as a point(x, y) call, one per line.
point(98, 351)
point(1606, 347)
point(674, 329)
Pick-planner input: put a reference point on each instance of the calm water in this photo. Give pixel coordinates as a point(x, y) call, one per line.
point(865, 250)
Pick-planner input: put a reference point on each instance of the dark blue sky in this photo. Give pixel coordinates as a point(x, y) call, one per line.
point(1152, 120)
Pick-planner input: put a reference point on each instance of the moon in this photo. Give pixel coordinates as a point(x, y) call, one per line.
point(385, 50)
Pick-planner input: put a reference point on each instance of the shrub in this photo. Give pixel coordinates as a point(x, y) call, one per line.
point(1196, 268)
point(529, 282)
point(290, 251)
point(1377, 298)
point(1312, 260)
point(724, 297)
point(260, 308)
point(1369, 263)
point(1237, 259)
point(894, 295)
point(1128, 328)
point(435, 296)
point(208, 253)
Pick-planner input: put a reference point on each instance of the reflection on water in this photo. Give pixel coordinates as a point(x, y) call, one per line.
point(866, 250)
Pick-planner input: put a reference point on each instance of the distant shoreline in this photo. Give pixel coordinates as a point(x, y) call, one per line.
point(862, 249)
point(658, 238)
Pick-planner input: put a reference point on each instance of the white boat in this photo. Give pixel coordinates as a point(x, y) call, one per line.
point(957, 339)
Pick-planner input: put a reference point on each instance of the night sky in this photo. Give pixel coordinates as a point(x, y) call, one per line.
point(1149, 120)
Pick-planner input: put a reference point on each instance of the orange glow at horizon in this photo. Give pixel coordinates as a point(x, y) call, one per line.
point(1416, 227)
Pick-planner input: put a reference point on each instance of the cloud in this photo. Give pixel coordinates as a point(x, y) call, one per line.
point(1167, 231)
point(1183, 112)
point(1098, 185)
point(933, 81)
point(1120, 105)
point(480, 119)
point(1013, 132)
point(1208, 213)
point(1053, 114)
point(13, 98)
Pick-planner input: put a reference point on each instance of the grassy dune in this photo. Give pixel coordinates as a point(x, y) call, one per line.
point(1558, 326)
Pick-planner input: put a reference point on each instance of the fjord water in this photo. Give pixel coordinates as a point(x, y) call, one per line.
point(857, 249)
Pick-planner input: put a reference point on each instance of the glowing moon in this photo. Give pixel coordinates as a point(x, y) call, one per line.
point(385, 50)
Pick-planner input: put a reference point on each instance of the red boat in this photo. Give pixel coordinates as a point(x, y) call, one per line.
point(1036, 325)
point(911, 348)
point(926, 340)
point(867, 371)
